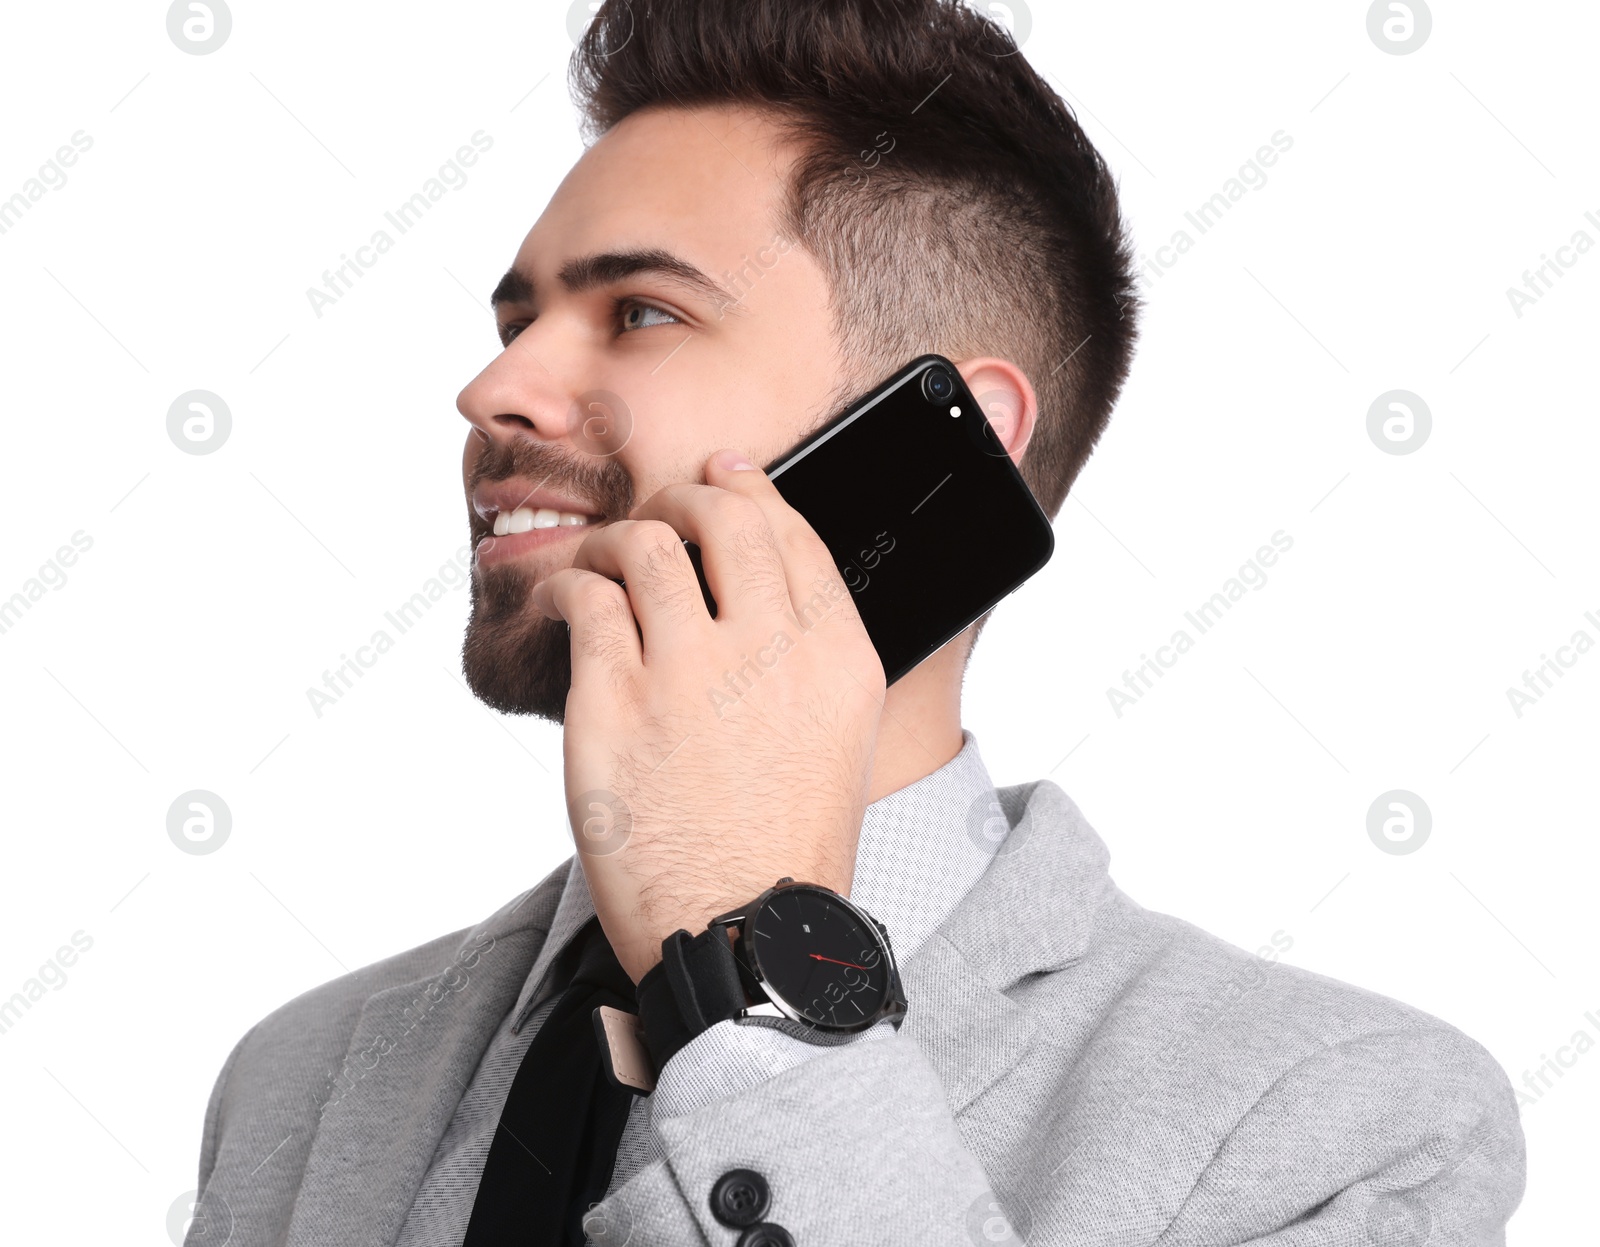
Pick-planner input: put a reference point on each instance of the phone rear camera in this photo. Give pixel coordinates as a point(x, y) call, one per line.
point(937, 385)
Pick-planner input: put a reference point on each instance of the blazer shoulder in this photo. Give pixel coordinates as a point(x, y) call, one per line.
point(278, 1066)
point(1217, 1015)
point(284, 1063)
point(335, 1006)
point(1257, 1091)
point(1386, 1095)
point(1294, 1002)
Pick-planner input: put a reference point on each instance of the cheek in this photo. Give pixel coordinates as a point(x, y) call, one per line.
point(653, 460)
point(759, 399)
point(688, 416)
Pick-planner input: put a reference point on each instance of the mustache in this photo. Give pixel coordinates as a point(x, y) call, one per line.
point(598, 480)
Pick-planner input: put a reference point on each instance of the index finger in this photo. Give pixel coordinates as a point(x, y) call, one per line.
point(814, 585)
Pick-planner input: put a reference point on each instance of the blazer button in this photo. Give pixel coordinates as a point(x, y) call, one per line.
point(766, 1234)
point(740, 1198)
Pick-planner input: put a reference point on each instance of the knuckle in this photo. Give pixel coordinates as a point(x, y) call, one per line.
point(605, 647)
point(606, 640)
point(661, 559)
point(678, 492)
point(736, 511)
point(663, 550)
point(770, 586)
point(756, 553)
point(753, 547)
point(595, 595)
point(662, 571)
point(642, 534)
point(652, 551)
point(677, 595)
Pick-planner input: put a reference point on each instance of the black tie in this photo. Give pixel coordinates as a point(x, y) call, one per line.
point(556, 1144)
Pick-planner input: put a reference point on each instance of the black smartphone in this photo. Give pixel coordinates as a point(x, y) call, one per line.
point(927, 518)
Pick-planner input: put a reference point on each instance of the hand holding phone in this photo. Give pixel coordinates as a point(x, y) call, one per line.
point(722, 753)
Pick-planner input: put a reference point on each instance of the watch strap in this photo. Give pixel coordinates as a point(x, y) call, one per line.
point(623, 1057)
point(695, 986)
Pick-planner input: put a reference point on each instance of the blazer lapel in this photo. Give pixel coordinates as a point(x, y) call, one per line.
point(1031, 911)
point(413, 1054)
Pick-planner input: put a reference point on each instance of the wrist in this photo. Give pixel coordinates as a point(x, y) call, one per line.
point(821, 967)
point(694, 985)
point(648, 956)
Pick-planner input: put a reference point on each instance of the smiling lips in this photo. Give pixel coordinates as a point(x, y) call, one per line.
point(523, 516)
point(525, 519)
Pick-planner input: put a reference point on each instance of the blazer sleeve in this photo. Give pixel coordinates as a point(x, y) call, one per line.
point(855, 1143)
point(1404, 1137)
point(212, 1128)
point(732, 1057)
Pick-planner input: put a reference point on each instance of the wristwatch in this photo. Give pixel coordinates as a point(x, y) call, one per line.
point(801, 959)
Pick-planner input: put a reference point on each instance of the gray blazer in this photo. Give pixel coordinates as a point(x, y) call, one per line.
point(1074, 1069)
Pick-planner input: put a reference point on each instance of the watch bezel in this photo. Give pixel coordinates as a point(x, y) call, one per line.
point(894, 1002)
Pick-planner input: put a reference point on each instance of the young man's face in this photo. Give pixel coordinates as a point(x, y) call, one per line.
point(614, 383)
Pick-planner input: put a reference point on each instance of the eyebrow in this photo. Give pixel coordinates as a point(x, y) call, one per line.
point(601, 269)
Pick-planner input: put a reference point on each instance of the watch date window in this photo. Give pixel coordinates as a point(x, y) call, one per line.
point(820, 959)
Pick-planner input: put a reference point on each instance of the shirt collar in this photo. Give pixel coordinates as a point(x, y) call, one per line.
point(921, 849)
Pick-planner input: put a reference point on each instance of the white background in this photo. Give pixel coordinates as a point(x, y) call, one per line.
point(219, 587)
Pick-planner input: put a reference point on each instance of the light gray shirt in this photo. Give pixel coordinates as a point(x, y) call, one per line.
point(921, 849)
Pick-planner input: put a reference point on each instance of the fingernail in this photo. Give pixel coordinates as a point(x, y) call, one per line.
point(734, 461)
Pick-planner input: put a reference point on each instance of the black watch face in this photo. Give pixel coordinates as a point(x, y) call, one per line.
point(828, 966)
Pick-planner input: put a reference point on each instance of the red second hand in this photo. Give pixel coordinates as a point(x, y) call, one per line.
point(836, 961)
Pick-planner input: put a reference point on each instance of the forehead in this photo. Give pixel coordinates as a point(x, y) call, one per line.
point(706, 183)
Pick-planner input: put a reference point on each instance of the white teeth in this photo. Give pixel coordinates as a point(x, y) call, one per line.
point(525, 519)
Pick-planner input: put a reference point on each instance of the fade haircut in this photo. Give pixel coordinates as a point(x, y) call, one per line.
point(947, 193)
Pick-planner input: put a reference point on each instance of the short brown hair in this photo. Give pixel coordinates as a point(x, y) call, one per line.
point(949, 195)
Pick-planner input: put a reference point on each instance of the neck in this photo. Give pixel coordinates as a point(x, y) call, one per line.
point(920, 730)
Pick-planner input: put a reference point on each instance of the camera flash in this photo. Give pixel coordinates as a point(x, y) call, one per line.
point(955, 411)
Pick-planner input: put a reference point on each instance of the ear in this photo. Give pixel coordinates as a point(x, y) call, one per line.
point(1007, 398)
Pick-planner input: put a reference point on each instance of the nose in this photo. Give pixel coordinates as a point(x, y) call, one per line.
point(515, 396)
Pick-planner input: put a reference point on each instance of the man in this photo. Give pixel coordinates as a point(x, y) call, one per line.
point(786, 201)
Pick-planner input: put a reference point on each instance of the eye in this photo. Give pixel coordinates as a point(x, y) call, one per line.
point(632, 315)
point(629, 314)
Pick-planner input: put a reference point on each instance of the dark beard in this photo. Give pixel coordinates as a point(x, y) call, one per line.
point(515, 659)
